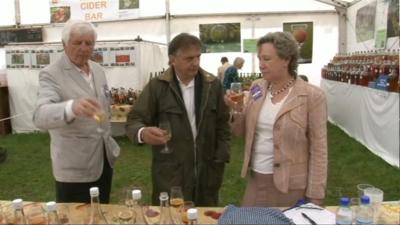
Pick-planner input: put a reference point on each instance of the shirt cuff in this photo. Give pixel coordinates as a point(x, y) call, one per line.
point(69, 113)
point(139, 136)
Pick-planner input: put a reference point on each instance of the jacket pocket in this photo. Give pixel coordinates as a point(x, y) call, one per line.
point(299, 116)
point(168, 174)
point(298, 176)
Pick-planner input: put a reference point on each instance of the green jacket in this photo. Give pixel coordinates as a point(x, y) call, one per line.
point(195, 165)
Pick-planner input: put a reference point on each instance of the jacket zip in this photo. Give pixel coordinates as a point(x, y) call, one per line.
point(194, 141)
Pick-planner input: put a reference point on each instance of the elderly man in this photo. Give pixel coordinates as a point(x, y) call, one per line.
point(191, 151)
point(231, 73)
point(73, 105)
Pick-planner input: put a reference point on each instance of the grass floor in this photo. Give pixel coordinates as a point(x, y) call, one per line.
point(27, 171)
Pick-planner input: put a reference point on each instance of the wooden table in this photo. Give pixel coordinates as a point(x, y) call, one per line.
point(78, 212)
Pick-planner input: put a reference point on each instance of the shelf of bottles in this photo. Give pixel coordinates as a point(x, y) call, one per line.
point(247, 79)
point(366, 68)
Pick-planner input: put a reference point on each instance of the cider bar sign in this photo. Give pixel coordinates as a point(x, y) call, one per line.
point(94, 10)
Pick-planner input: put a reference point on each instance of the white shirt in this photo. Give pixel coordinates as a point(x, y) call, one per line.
point(188, 99)
point(69, 113)
point(263, 150)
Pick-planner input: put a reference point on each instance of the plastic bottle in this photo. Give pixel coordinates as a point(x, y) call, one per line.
point(192, 215)
point(165, 213)
point(344, 214)
point(19, 215)
point(365, 212)
point(52, 215)
point(96, 215)
point(137, 207)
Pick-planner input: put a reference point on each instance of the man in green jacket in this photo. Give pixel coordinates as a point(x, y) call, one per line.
point(190, 101)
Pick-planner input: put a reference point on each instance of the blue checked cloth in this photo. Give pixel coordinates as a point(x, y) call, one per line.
point(253, 215)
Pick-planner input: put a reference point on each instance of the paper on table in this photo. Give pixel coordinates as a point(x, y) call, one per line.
point(319, 216)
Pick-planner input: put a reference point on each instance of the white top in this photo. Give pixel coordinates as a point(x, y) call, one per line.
point(188, 99)
point(263, 148)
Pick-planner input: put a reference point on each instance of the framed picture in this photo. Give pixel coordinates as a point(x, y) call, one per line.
point(220, 37)
point(303, 33)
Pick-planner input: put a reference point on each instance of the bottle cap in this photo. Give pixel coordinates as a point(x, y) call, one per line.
point(365, 200)
point(51, 206)
point(18, 203)
point(192, 214)
point(164, 196)
point(94, 192)
point(136, 194)
point(345, 201)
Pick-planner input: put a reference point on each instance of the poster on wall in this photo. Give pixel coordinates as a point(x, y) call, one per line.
point(381, 23)
point(100, 55)
point(93, 10)
point(365, 22)
point(18, 59)
point(250, 45)
point(221, 37)
point(303, 33)
point(393, 26)
point(122, 56)
point(40, 58)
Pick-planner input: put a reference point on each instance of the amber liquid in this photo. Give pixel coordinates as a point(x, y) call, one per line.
point(99, 116)
point(236, 97)
point(176, 202)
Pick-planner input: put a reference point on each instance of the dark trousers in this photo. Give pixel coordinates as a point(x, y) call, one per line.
point(79, 192)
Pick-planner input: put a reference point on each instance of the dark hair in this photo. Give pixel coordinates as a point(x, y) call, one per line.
point(286, 47)
point(182, 41)
point(224, 59)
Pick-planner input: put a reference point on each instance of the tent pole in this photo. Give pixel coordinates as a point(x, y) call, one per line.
point(342, 29)
point(167, 21)
point(17, 13)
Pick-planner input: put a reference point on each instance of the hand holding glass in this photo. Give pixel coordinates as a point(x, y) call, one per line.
point(166, 126)
point(236, 94)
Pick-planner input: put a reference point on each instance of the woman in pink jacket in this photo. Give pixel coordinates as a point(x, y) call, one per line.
point(284, 125)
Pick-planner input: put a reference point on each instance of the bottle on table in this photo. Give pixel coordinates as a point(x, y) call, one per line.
point(19, 214)
point(192, 215)
point(137, 207)
point(96, 215)
point(365, 212)
point(52, 215)
point(344, 214)
point(165, 213)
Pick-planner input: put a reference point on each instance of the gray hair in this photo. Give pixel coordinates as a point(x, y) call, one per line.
point(238, 61)
point(77, 27)
point(286, 47)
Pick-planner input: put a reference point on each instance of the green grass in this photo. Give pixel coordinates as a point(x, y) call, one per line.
point(27, 171)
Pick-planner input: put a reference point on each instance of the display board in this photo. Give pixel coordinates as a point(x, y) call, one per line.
point(126, 64)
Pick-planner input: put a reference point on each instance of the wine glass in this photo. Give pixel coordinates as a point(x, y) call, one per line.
point(63, 213)
point(125, 215)
point(100, 117)
point(166, 126)
point(176, 199)
point(236, 94)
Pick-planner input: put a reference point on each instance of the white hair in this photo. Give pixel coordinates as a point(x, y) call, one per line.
point(238, 61)
point(77, 27)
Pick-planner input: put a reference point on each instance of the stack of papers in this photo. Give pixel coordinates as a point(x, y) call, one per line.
point(314, 212)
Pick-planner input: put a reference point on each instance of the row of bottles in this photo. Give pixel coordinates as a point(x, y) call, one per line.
point(364, 213)
point(365, 68)
point(96, 215)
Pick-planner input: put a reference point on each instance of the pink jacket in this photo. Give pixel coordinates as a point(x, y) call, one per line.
point(299, 135)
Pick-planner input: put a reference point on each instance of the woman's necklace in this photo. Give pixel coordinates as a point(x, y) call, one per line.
point(284, 88)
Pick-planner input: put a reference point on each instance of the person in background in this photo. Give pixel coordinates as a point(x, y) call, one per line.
point(304, 77)
point(183, 116)
point(73, 105)
point(284, 123)
point(231, 73)
point(222, 69)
